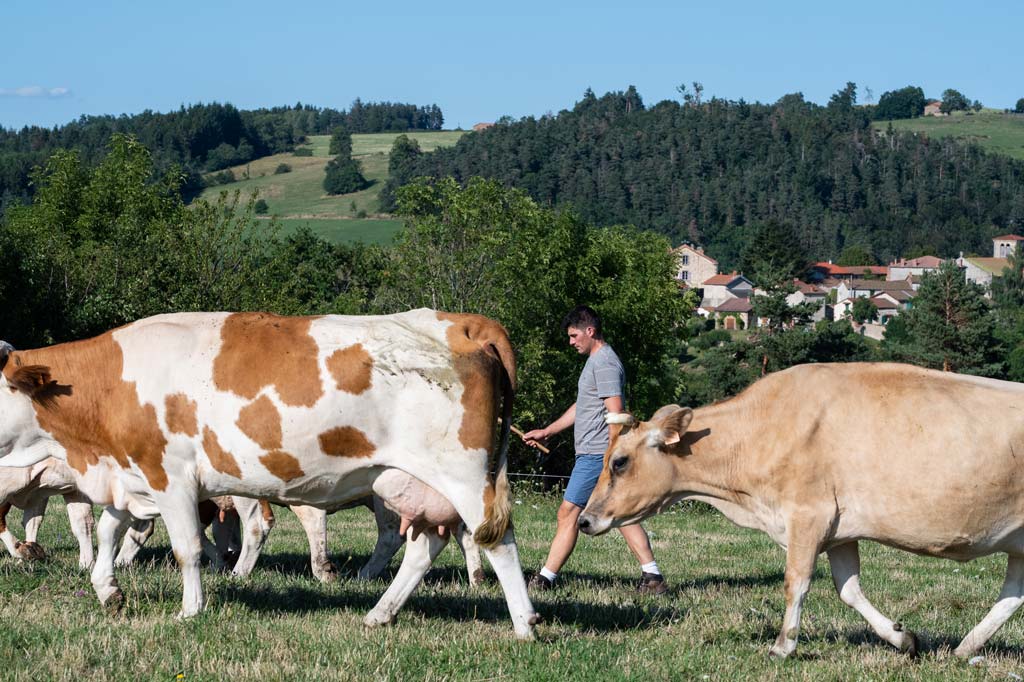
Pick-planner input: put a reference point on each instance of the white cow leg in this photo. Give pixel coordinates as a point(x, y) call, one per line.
point(1010, 599)
point(801, 553)
point(108, 533)
point(471, 552)
point(82, 523)
point(181, 517)
point(504, 558)
point(257, 518)
point(389, 540)
point(314, 522)
point(31, 520)
point(845, 563)
point(419, 555)
point(136, 535)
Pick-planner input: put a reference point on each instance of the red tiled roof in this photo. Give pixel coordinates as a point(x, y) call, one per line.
point(883, 303)
point(922, 262)
point(833, 269)
point(721, 280)
point(807, 289)
point(735, 305)
point(1008, 238)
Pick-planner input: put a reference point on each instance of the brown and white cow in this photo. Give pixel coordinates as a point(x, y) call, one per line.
point(916, 459)
point(315, 410)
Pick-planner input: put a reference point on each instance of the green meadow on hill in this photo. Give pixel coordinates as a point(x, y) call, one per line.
point(993, 131)
point(297, 198)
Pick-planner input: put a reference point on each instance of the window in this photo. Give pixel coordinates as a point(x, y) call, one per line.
point(686, 259)
point(684, 275)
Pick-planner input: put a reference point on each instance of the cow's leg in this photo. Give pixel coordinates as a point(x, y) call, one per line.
point(1010, 599)
point(136, 535)
point(471, 551)
point(6, 535)
point(31, 520)
point(257, 518)
point(801, 553)
point(845, 563)
point(314, 522)
point(389, 540)
point(419, 555)
point(504, 558)
point(82, 523)
point(108, 532)
point(180, 513)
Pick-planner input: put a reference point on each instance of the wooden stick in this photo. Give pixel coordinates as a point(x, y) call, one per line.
point(520, 434)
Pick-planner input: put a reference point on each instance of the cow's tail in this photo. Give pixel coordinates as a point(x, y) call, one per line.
point(498, 509)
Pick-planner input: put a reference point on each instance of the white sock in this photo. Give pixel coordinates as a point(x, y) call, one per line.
point(650, 568)
point(550, 575)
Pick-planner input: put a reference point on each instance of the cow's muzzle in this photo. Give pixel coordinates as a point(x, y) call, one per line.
point(593, 525)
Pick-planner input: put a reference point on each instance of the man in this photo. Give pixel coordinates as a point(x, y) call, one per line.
point(600, 390)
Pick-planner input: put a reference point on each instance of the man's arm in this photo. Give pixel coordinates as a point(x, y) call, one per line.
point(614, 404)
point(534, 437)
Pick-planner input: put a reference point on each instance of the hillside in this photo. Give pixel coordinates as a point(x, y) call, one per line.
point(297, 198)
point(993, 131)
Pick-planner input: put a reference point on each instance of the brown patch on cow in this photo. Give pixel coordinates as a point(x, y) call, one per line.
point(4, 509)
point(480, 349)
point(282, 465)
point(92, 412)
point(220, 459)
point(261, 421)
point(259, 350)
point(346, 441)
point(352, 368)
point(181, 414)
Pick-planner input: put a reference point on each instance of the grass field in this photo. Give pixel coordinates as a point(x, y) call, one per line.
point(298, 198)
point(997, 132)
point(279, 624)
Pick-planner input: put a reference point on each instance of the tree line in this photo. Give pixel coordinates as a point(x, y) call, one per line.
point(199, 138)
point(708, 171)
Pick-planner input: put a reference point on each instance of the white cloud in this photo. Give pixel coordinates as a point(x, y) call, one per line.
point(34, 91)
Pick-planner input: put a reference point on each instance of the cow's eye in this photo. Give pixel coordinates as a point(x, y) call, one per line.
point(619, 463)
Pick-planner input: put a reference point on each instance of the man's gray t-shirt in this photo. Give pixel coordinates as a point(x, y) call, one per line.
point(603, 377)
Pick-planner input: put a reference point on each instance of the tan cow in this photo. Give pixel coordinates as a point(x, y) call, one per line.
point(313, 411)
point(821, 456)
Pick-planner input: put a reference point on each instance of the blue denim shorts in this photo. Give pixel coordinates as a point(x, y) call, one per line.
point(583, 479)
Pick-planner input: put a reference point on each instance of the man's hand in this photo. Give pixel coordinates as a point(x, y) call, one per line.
point(536, 437)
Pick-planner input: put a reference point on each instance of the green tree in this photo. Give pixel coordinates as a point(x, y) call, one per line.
point(906, 102)
point(863, 310)
point(343, 176)
point(855, 255)
point(953, 100)
point(950, 326)
point(260, 207)
point(1019, 108)
point(773, 255)
point(341, 142)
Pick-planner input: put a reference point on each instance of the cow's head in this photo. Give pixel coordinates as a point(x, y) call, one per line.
point(21, 387)
point(639, 469)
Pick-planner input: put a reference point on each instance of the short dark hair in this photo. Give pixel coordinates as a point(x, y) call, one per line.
point(581, 317)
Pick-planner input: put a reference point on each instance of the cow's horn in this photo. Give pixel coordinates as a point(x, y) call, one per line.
point(5, 351)
point(623, 418)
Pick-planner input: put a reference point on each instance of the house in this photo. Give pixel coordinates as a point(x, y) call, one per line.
point(1004, 246)
point(733, 314)
point(482, 126)
point(933, 108)
point(871, 288)
point(694, 266)
point(721, 288)
point(903, 268)
point(981, 270)
point(809, 293)
point(829, 270)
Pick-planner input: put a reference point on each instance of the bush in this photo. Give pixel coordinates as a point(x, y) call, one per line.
point(260, 207)
point(715, 337)
point(282, 168)
point(303, 151)
point(1019, 109)
point(222, 178)
point(343, 177)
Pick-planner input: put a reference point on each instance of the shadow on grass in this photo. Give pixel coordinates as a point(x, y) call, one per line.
point(927, 643)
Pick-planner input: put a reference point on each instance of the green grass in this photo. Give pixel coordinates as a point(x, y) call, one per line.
point(279, 624)
point(996, 132)
point(298, 197)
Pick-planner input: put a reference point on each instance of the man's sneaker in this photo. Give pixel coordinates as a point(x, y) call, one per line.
point(652, 583)
point(539, 583)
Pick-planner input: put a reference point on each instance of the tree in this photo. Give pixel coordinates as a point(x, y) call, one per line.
point(341, 142)
point(863, 310)
point(1019, 109)
point(261, 207)
point(773, 255)
point(953, 100)
point(906, 102)
point(855, 255)
point(950, 326)
point(343, 176)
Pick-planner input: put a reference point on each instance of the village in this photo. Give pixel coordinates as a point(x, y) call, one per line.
point(726, 297)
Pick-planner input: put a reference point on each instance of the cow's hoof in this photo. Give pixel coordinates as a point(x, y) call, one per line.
point(780, 652)
point(114, 603)
point(536, 619)
point(30, 551)
point(478, 577)
point(909, 644)
point(328, 572)
point(374, 620)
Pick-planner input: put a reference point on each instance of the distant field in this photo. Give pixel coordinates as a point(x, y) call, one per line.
point(298, 198)
point(997, 132)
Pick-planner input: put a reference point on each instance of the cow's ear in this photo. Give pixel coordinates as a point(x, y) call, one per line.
point(670, 423)
point(5, 352)
point(31, 379)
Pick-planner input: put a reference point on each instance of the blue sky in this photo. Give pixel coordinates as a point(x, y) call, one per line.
point(479, 61)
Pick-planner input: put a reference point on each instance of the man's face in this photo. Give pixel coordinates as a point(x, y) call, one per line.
point(581, 339)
